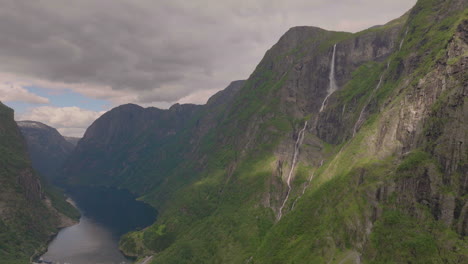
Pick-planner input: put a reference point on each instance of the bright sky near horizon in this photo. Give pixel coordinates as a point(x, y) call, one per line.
point(64, 63)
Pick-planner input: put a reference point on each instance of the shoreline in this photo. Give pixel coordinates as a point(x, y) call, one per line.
point(60, 226)
point(41, 251)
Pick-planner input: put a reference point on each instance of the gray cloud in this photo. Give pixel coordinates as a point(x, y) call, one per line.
point(163, 50)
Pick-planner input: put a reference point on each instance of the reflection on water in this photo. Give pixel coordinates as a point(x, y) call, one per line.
point(85, 243)
point(106, 214)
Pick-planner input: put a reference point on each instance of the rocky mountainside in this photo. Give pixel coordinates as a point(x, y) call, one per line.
point(73, 140)
point(130, 142)
point(47, 149)
point(339, 148)
point(30, 213)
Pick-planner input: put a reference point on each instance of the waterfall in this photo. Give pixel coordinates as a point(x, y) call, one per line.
point(305, 187)
point(361, 114)
point(297, 145)
point(403, 39)
point(332, 87)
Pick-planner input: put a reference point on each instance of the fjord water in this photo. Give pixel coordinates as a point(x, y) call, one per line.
point(106, 215)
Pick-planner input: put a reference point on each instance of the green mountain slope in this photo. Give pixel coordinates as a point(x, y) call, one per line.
point(29, 213)
point(283, 172)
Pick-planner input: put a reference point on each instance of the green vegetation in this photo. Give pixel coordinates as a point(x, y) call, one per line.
point(26, 223)
point(427, 40)
point(156, 238)
point(221, 217)
point(332, 40)
point(363, 81)
point(58, 201)
point(398, 238)
point(219, 197)
point(413, 160)
point(324, 222)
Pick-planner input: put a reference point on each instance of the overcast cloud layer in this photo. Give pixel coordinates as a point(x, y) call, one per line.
point(69, 121)
point(156, 52)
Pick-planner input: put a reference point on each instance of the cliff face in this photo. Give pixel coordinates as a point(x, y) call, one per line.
point(396, 187)
point(138, 147)
point(47, 149)
point(29, 213)
point(339, 148)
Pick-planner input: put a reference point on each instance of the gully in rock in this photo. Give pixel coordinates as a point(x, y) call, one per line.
point(300, 138)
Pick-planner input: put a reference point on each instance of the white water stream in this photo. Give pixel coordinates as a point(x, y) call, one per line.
point(403, 39)
point(300, 138)
point(311, 177)
point(360, 120)
point(361, 114)
point(332, 87)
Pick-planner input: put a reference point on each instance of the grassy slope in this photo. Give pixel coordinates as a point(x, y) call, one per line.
point(333, 216)
point(220, 219)
point(211, 200)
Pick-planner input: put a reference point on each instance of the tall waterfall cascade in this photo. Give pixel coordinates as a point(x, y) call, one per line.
point(403, 39)
point(332, 87)
point(297, 145)
point(360, 119)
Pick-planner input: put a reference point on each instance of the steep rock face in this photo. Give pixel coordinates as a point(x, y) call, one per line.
point(375, 44)
point(292, 81)
point(47, 149)
point(439, 104)
point(411, 152)
point(376, 177)
point(223, 97)
point(118, 147)
point(293, 86)
point(28, 212)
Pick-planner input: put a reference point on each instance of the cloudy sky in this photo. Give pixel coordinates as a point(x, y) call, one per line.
point(65, 63)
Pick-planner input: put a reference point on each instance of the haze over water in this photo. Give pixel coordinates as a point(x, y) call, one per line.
point(106, 215)
point(85, 243)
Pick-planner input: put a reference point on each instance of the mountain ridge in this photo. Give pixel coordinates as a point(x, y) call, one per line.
point(31, 212)
point(270, 177)
point(47, 148)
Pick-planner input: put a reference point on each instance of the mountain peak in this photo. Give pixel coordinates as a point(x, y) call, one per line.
point(32, 124)
point(128, 107)
point(226, 94)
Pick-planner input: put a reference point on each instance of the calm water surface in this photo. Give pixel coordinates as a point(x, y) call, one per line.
point(106, 215)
